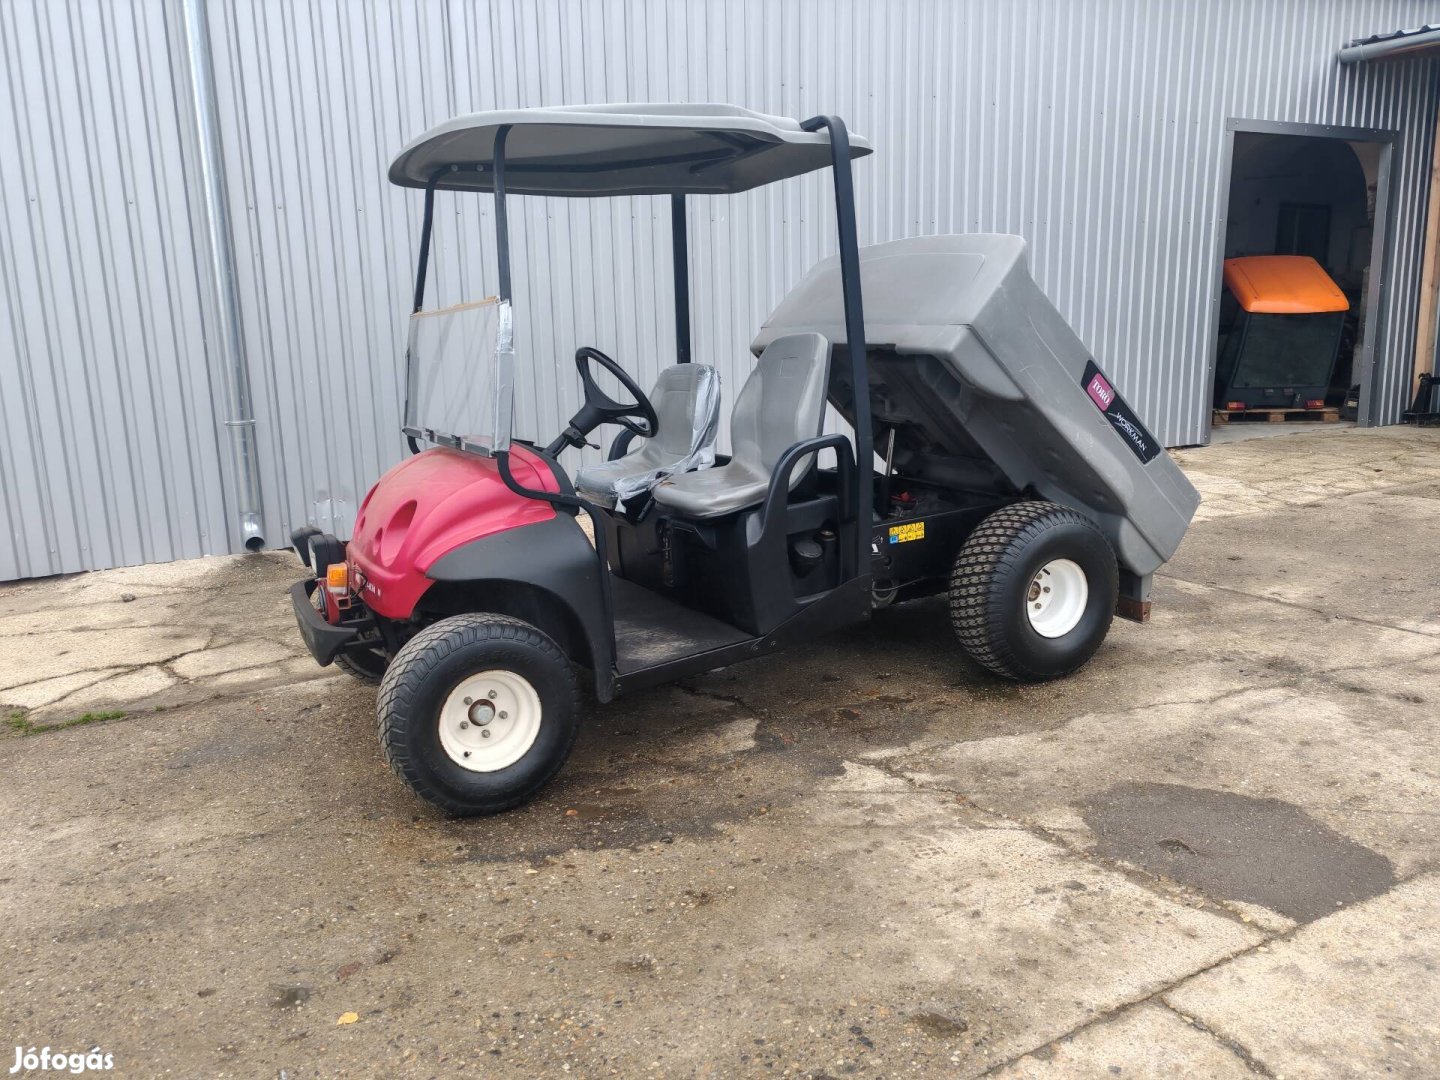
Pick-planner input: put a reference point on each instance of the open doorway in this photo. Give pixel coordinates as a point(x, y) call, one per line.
point(1300, 289)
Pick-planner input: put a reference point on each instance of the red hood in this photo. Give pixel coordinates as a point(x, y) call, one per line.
point(429, 505)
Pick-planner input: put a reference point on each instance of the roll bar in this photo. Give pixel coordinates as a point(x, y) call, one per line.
point(840, 156)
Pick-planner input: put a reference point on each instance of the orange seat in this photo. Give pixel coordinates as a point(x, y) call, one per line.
point(1283, 285)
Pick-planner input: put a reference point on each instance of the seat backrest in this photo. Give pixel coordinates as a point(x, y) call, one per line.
point(782, 403)
point(687, 404)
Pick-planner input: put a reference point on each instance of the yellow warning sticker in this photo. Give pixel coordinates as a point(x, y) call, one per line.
point(901, 534)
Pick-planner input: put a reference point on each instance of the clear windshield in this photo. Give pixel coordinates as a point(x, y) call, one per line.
point(460, 376)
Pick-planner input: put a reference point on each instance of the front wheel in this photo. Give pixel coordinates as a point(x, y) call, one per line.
point(1033, 591)
point(477, 713)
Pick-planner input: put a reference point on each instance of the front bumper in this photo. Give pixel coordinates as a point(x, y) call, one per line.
point(324, 641)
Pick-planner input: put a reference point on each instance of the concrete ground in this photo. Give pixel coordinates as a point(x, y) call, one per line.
point(1243, 430)
point(1211, 853)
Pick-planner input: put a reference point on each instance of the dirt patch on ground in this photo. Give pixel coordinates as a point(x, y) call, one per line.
point(1234, 847)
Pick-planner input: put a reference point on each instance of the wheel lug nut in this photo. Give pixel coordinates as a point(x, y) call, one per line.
point(491, 694)
point(469, 700)
point(483, 735)
point(504, 715)
point(464, 724)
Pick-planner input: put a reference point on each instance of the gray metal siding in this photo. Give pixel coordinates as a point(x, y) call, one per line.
point(1096, 130)
point(108, 443)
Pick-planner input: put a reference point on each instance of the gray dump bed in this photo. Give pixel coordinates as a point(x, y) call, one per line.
point(987, 387)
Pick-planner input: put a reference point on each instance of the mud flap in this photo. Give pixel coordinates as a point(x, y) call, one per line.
point(1133, 599)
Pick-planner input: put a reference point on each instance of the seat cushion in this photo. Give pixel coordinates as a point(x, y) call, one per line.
point(687, 405)
point(597, 482)
point(782, 403)
point(713, 492)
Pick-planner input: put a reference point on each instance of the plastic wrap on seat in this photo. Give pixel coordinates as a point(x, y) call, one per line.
point(687, 402)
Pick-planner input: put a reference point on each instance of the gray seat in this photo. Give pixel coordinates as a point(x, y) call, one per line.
point(781, 404)
point(687, 404)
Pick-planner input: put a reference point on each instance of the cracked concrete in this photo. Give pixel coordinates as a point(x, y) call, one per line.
point(1149, 1040)
point(1261, 475)
point(147, 637)
point(1380, 956)
point(863, 857)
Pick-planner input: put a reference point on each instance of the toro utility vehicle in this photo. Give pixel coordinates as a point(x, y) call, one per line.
point(987, 456)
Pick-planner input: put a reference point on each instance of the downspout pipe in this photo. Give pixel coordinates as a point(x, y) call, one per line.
point(1427, 38)
point(240, 419)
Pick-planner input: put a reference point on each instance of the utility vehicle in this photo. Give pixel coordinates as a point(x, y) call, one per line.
point(1284, 319)
point(987, 456)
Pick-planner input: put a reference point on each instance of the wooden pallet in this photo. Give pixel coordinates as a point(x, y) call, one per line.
point(1328, 415)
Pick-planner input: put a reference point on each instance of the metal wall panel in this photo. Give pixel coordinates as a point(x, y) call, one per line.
point(1095, 128)
point(109, 452)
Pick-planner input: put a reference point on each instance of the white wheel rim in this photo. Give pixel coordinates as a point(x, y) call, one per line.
point(490, 721)
point(1056, 598)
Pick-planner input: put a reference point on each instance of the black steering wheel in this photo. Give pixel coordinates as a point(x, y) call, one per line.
point(638, 417)
point(600, 408)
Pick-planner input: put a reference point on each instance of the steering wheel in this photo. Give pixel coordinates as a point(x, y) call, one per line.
point(638, 417)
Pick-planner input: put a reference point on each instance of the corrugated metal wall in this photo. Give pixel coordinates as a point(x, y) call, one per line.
point(109, 446)
point(1096, 129)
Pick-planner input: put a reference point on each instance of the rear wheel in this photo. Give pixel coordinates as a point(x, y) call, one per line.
point(1033, 591)
point(477, 713)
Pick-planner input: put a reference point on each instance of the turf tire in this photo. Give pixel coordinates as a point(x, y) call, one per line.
point(419, 680)
point(991, 578)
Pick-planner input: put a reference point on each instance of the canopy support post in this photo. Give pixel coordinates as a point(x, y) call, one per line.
point(502, 222)
point(854, 322)
point(426, 225)
point(679, 240)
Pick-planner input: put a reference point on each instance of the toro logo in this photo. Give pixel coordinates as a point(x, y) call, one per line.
point(1100, 391)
